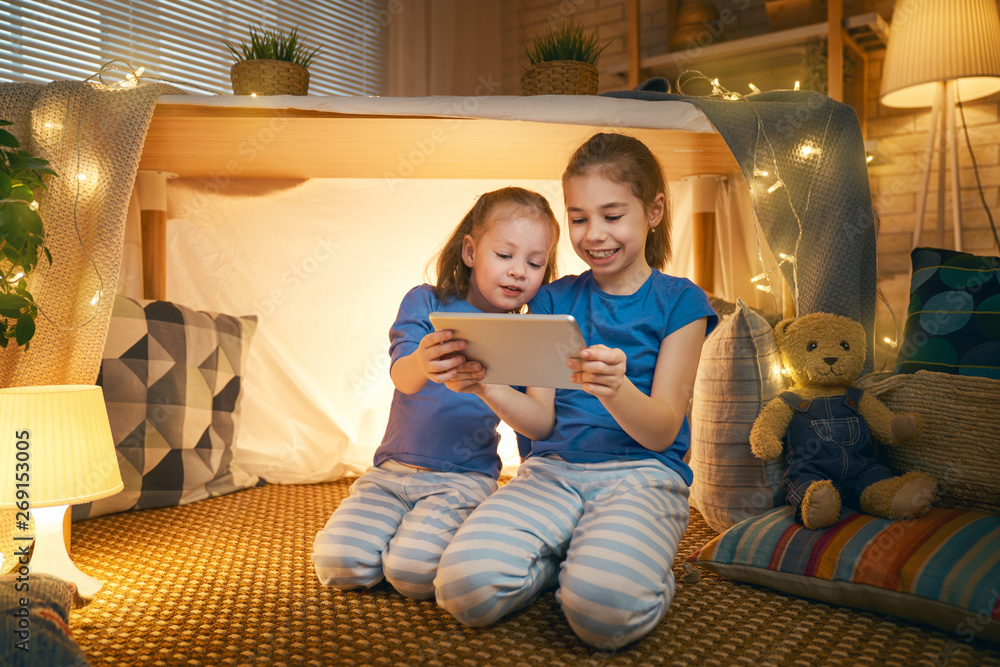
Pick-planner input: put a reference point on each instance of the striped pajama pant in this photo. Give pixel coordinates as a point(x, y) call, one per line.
point(609, 531)
point(395, 524)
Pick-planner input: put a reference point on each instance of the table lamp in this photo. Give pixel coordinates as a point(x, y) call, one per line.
point(56, 450)
point(940, 51)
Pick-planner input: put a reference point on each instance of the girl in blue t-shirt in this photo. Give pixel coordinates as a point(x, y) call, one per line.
point(438, 458)
point(599, 505)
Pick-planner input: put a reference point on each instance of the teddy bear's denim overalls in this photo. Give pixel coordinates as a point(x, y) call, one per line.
point(828, 439)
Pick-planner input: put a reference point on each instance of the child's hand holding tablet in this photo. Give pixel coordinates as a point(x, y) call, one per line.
point(517, 350)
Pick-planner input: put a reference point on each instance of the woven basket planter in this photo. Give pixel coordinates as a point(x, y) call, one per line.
point(559, 77)
point(269, 77)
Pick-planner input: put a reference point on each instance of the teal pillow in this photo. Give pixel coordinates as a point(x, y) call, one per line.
point(942, 569)
point(953, 321)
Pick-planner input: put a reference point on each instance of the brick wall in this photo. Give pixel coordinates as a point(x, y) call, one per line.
point(900, 135)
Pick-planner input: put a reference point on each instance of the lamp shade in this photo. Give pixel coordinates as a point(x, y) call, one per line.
point(941, 40)
point(56, 446)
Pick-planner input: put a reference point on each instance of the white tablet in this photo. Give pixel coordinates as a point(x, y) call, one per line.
point(518, 350)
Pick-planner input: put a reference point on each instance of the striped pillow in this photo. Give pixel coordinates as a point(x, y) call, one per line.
point(942, 569)
point(739, 372)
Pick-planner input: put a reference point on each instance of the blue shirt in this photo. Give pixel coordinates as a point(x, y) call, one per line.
point(436, 428)
point(585, 432)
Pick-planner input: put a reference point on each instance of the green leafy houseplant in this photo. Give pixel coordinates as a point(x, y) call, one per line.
point(22, 237)
point(562, 61)
point(271, 63)
point(569, 42)
point(266, 44)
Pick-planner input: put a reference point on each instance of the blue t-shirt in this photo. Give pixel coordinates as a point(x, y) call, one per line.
point(436, 428)
point(585, 432)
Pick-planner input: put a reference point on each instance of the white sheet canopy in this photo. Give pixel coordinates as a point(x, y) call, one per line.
point(323, 262)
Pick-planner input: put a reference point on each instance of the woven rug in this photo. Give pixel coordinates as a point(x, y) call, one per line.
point(228, 581)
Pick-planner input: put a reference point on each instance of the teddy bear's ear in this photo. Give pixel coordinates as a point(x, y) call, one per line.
point(781, 330)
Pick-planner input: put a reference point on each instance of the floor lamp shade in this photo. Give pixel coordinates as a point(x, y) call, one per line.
point(61, 437)
point(931, 41)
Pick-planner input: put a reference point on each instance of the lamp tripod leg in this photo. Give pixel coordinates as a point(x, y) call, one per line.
point(936, 112)
point(956, 184)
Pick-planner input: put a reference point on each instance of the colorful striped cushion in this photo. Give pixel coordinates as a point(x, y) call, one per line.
point(942, 569)
point(740, 370)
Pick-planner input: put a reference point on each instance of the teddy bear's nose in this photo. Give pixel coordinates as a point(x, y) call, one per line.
point(830, 360)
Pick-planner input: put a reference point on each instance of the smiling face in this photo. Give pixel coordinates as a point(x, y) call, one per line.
point(608, 226)
point(821, 349)
point(507, 261)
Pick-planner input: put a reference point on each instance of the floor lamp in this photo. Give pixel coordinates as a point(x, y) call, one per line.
point(940, 52)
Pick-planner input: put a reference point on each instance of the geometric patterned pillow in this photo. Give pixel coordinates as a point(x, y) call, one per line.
point(739, 371)
point(942, 569)
point(953, 325)
point(172, 379)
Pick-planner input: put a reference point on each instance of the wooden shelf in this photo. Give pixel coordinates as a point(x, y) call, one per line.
point(869, 31)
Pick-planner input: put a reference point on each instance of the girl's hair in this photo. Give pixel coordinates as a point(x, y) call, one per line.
point(453, 276)
point(624, 159)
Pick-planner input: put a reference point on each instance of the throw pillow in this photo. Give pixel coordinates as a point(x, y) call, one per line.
point(953, 321)
point(942, 569)
point(172, 379)
point(740, 370)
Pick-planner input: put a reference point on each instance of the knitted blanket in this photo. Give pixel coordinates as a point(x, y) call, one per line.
point(802, 156)
point(92, 135)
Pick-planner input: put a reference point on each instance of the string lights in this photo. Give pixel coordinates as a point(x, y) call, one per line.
point(809, 151)
point(770, 172)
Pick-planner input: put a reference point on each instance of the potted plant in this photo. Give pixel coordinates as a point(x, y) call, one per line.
point(272, 63)
point(562, 61)
point(22, 237)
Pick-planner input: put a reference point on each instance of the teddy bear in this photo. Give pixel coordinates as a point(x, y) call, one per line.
point(827, 428)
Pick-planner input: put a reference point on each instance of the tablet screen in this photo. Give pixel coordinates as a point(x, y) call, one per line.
point(517, 350)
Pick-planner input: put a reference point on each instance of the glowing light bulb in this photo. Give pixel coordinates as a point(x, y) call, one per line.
point(14, 278)
point(760, 172)
point(787, 258)
point(33, 206)
point(777, 184)
point(253, 94)
point(132, 78)
point(95, 298)
point(784, 371)
point(754, 88)
point(81, 177)
point(869, 158)
point(890, 341)
point(808, 150)
point(758, 277)
point(796, 85)
point(764, 288)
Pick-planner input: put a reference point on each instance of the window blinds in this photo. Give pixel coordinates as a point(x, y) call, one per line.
point(180, 41)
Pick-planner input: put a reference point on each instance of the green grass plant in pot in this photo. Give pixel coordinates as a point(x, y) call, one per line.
point(22, 237)
point(562, 61)
point(271, 63)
